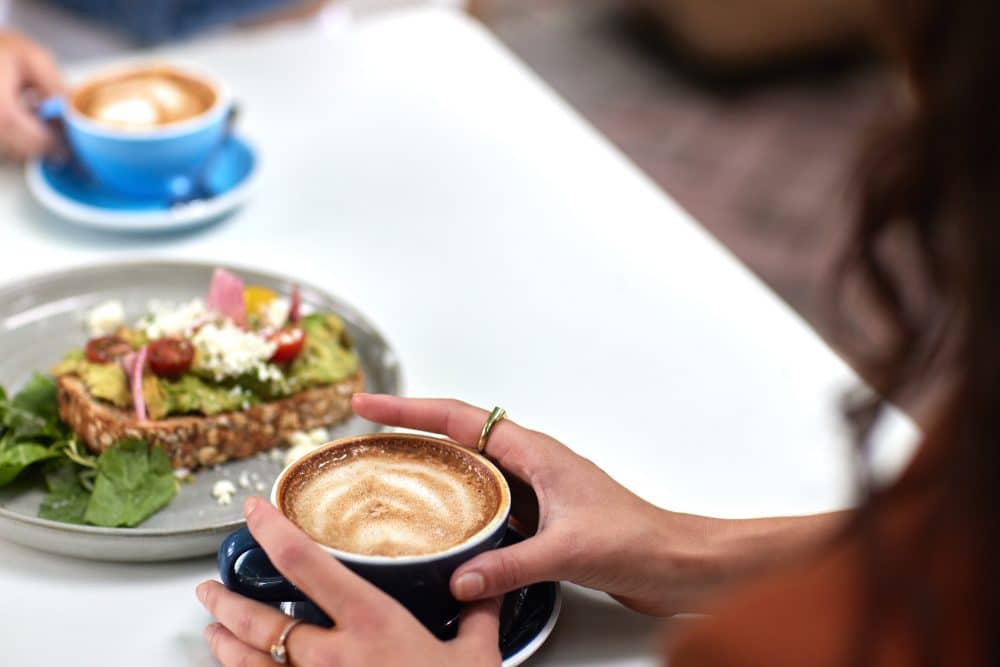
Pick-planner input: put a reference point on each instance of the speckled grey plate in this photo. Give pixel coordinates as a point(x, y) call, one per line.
point(41, 318)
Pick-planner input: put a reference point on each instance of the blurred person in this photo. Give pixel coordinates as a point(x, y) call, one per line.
point(746, 34)
point(29, 73)
point(906, 578)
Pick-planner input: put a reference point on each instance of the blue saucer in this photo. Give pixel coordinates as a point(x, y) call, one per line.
point(68, 191)
point(527, 617)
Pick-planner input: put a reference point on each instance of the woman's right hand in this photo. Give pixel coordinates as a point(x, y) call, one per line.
point(585, 527)
point(24, 66)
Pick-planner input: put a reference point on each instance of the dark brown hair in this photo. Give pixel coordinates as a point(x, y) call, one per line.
point(926, 256)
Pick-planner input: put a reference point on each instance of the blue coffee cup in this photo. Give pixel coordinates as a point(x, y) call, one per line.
point(419, 582)
point(156, 162)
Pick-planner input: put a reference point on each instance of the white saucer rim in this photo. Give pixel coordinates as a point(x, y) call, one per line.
point(539, 639)
point(182, 217)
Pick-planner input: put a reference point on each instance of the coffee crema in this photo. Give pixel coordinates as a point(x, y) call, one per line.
point(391, 497)
point(144, 98)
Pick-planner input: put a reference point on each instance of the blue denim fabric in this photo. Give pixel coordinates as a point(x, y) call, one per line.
point(151, 21)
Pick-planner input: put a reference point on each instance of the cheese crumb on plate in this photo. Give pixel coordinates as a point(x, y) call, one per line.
point(223, 492)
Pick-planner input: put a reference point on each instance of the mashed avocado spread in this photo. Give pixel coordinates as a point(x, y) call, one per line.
point(326, 358)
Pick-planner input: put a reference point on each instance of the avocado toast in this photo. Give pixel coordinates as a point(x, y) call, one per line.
point(209, 381)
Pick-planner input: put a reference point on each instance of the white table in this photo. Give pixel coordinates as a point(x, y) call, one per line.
point(514, 257)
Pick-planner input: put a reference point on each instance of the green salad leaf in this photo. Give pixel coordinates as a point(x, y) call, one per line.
point(67, 498)
point(16, 457)
point(30, 430)
point(134, 480)
point(38, 397)
point(123, 486)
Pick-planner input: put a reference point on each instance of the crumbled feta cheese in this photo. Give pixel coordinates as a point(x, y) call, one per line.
point(106, 318)
point(299, 439)
point(223, 492)
point(167, 319)
point(260, 486)
point(275, 314)
point(182, 473)
point(319, 436)
point(302, 443)
point(244, 479)
point(296, 452)
point(277, 455)
point(228, 351)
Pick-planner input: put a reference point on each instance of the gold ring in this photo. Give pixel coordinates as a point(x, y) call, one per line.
point(278, 651)
point(491, 421)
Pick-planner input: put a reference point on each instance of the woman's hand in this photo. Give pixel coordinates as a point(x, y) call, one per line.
point(372, 629)
point(25, 67)
point(586, 527)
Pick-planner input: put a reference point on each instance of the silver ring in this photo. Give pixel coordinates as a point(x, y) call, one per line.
point(278, 651)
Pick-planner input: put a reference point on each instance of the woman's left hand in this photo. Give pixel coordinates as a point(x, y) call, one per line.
point(372, 629)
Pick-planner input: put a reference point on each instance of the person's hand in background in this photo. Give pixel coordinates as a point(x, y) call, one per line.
point(28, 73)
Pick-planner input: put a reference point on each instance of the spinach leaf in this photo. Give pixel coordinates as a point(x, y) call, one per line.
point(67, 498)
point(39, 398)
point(21, 424)
point(134, 480)
point(16, 457)
point(29, 426)
point(32, 413)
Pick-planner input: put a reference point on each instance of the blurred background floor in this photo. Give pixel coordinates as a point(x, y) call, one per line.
point(762, 160)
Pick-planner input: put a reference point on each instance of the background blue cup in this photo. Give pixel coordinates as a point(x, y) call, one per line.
point(419, 583)
point(157, 162)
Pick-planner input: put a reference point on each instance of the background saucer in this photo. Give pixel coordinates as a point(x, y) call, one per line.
point(70, 194)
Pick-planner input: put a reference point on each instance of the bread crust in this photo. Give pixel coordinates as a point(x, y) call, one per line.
point(192, 441)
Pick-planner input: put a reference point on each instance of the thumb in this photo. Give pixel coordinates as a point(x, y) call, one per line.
point(502, 570)
point(480, 623)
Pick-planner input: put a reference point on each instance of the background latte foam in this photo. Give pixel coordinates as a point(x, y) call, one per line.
point(392, 502)
point(144, 99)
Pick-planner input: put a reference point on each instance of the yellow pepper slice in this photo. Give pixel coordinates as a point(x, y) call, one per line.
point(257, 298)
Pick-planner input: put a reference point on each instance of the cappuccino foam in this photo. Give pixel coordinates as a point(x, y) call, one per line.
point(144, 99)
point(394, 497)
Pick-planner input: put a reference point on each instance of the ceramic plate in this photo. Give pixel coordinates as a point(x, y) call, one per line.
point(41, 318)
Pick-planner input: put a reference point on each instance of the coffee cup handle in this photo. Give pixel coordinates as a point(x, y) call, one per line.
point(245, 569)
point(52, 109)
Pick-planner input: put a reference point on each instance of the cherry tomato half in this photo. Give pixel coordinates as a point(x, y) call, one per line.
point(288, 344)
point(105, 349)
point(170, 357)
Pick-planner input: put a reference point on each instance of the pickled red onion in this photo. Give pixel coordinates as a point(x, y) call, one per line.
point(295, 306)
point(133, 364)
point(225, 296)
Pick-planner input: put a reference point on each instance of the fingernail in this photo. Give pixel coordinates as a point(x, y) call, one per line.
point(249, 505)
point(470, 585)
point(200, 591)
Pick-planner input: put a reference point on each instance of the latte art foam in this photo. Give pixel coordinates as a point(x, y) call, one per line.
point(144, 99)
point(393, 500)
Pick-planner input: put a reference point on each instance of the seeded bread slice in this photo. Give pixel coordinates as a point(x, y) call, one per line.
point(193, 441)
